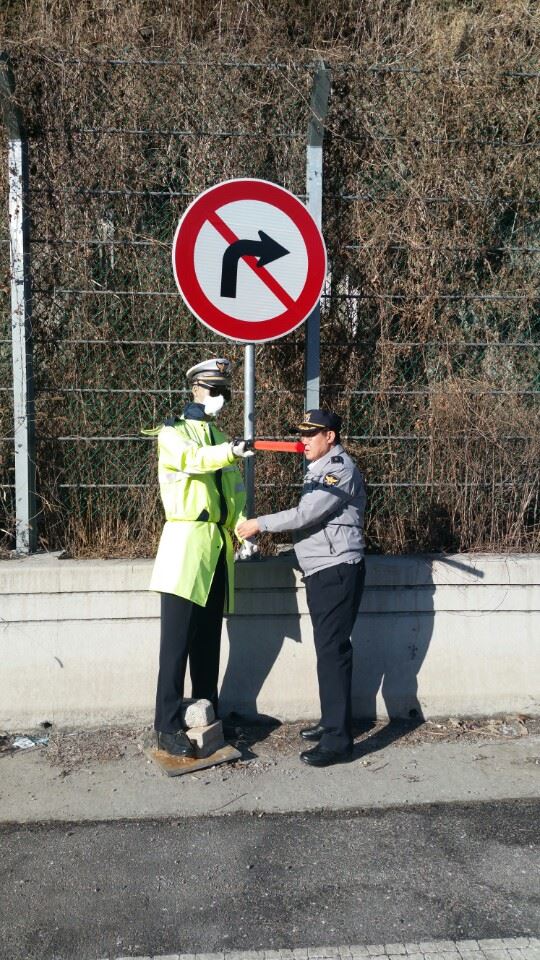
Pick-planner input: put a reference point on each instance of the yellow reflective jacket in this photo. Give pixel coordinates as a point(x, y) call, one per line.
point(190, 455)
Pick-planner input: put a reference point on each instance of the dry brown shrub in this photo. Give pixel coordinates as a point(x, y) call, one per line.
point(430, 218)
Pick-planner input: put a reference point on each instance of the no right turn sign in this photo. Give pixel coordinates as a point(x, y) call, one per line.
point(249, 260)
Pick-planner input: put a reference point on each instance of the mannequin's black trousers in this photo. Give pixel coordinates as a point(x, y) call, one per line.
point(333, 597)
point(189, 630)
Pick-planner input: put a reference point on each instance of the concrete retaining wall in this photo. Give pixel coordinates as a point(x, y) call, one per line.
point(455, 635)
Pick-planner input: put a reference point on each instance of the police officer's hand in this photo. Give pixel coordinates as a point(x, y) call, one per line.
point(242, 448)
point(248, 528)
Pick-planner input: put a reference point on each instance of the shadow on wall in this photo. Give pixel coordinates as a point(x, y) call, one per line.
point(390, 644)
point(245, 673)
point(390, 639)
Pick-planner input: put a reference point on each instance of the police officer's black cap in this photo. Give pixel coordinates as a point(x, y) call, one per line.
point(320, 420)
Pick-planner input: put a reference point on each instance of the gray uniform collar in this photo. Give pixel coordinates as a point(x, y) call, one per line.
point(325, 461)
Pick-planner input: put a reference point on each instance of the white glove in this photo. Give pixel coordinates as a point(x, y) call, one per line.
point(241, 448)
point(247, 551)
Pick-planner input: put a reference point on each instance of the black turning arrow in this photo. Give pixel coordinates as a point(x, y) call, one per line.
point(265, 249)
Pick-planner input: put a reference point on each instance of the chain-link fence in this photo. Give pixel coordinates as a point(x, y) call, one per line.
point(429, 328)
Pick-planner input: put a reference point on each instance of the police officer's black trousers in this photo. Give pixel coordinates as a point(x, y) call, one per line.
point(189, 630)
point(333, 597)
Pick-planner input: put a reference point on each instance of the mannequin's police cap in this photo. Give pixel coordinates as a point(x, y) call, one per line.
point(215, 372)
point(320, 420)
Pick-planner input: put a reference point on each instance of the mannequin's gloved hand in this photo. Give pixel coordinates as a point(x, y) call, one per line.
point(247, 551)
point(242, 448)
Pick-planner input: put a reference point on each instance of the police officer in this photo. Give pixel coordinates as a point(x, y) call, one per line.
point(328, 540)
point(203, 497)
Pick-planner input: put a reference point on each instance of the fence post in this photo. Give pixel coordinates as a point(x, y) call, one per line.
point(314, 190)
point(21, 318)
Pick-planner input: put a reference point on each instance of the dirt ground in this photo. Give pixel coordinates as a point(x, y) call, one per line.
point(266, 742)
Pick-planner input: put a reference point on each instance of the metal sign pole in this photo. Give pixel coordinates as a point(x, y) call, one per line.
point(249, 424)
point(314, 182)
point(23, 385)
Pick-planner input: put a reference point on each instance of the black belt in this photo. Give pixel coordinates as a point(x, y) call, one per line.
point(204, 518)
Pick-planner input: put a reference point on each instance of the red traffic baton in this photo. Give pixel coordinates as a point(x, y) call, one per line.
point(279, 446)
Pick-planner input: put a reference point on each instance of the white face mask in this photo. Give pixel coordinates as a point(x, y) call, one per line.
point(212, 405)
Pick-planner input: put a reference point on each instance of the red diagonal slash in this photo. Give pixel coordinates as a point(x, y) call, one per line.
point(261, 272)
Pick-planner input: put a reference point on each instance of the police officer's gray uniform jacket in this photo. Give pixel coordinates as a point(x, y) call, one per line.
point(328, 522)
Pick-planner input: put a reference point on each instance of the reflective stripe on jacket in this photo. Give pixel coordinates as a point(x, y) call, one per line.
point(328, 522)
point(193, 457)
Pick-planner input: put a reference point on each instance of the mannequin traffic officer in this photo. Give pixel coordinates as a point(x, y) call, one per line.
point(203, 496)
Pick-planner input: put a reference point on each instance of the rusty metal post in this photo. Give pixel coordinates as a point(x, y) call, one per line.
point(314, 190)
point(21, 318)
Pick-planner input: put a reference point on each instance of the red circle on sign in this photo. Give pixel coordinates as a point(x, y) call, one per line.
point(201, 211)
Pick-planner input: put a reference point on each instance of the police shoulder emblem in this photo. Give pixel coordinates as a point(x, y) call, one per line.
point(330, 480)
point(337, 459)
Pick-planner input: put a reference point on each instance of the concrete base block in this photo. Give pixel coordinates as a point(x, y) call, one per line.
point(197, 713)
point(207, 739)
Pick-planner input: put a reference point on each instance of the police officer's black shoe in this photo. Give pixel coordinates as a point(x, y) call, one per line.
point(312, 733)
point(177, 744)
point(321, 757)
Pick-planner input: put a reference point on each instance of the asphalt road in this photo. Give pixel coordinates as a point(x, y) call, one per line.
point(253, 882)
